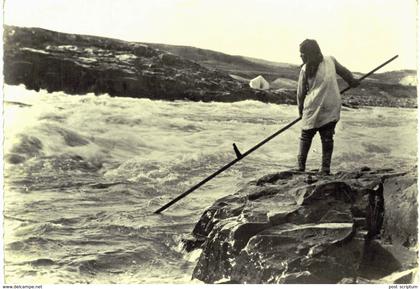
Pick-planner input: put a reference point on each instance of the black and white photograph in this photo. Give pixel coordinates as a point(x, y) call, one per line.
point(209, 142)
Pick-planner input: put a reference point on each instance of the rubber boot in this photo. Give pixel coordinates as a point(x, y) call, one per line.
point(327, 150)
point(304, 146)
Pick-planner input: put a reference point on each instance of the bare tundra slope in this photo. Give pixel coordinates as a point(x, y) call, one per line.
point(79, 64)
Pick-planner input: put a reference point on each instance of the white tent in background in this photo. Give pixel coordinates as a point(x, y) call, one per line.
point(259, 82)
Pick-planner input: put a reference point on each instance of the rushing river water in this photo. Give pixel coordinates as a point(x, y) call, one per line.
point(83, 175)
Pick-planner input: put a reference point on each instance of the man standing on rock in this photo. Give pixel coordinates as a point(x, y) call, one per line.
point(319, 100)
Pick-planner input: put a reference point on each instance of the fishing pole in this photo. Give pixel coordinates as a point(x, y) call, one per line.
point(240, 156)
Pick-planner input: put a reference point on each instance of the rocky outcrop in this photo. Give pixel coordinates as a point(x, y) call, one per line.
point(78, 64)
point(293, 227)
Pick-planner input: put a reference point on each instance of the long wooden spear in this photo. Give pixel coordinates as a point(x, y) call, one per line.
point(240, 156)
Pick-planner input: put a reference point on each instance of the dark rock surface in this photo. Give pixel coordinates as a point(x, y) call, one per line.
point(400, 218)
point(294, 227)
point(80, 64)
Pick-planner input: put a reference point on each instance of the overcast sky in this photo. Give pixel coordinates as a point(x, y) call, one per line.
point(360, 33)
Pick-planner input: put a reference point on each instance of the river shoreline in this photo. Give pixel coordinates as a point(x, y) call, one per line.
point(80, 64)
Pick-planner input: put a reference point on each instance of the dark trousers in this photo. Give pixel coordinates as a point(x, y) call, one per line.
point(326, 132)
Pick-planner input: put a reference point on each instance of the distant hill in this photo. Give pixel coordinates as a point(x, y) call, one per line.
point(239, 65)
point(249, 67)
point(403, 77)
point(392, 88)
point(78, 64)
